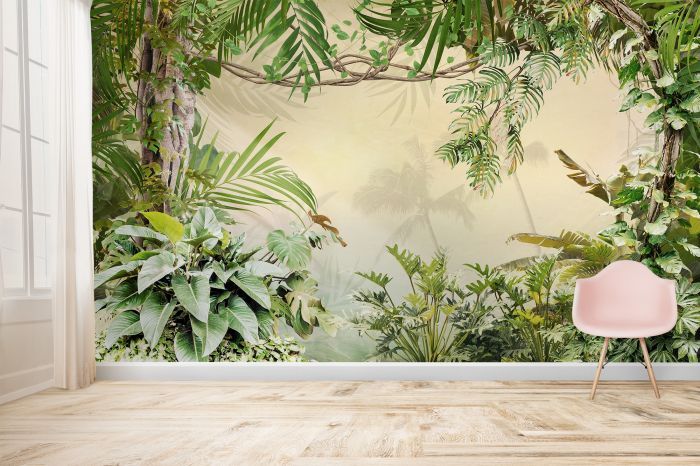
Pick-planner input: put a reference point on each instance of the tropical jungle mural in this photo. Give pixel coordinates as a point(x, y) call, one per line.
point(388, 180)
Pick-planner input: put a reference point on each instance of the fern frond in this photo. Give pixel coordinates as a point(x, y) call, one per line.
point(498, 53)
point(542, 68)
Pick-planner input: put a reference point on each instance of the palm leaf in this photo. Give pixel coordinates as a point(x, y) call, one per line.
point(244, 181)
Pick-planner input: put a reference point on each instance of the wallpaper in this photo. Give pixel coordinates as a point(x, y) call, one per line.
point(241, 215)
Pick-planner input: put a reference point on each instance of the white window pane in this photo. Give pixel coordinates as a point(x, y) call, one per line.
point(9, 23)
point(12, 248)
point(10, 169)
point(37, 100)
point(41, 182)
point(41, 259)
point(36, 14)
point(10, 89)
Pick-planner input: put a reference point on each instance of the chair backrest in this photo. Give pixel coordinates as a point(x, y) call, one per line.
point(625, 291)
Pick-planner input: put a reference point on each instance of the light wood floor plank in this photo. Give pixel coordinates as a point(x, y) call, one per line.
point(350, 423)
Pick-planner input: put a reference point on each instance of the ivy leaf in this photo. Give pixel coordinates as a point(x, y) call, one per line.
point(126, 323)
point(675, 119)
point(670, 263)
point(166, 225)
point(665, 81)
point(629, 72)
point(631, 99)
point(691, 104)
point(293, 250)
point(628, 195)
point(656, 228)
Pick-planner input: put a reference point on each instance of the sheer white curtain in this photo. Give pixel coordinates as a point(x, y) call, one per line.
point(74, 314)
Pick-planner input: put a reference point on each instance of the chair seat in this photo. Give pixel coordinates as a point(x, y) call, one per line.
point(624, 329)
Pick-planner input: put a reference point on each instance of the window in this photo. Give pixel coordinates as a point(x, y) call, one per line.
point(26, 179)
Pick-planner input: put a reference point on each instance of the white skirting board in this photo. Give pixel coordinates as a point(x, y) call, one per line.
point(287, 371)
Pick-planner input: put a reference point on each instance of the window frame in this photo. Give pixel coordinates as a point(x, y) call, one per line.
point(29, 288)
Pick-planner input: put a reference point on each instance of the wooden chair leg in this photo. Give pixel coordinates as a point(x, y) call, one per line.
point(600, 366)
point(650, 370)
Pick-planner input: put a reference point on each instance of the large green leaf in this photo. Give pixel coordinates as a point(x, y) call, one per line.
point(293, 250)
point(252, 286)
point(244, 181)
point(126, 323)
point(205, 220)
point(155, 268)
point(266, 324)
point(140, 232)
point(193, 294)
point(154, 315)
point(189, 347)
point(211, 332)
point(221, 272)
point(126, 297)
point(327, 321)
point(166, 224)
point(112, 273)
point(241, 319)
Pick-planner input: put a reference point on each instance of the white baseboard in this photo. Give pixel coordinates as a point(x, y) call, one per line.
point(287, 371)
point(26, 391)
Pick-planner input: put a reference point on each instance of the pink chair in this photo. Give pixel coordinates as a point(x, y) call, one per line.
point(625, 300)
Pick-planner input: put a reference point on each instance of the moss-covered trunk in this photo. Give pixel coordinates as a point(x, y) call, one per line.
point(165, 107)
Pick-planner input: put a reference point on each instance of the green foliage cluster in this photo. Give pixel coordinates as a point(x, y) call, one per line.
point(168, 265)
point(669, 246)
point(418, 328)
point(197, 279)
point(502, 315)
point(547, 40)
point(496, 317)
point(135, 348)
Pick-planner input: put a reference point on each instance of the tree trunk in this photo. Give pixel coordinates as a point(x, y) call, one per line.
point(162, 89)
point(673, 140)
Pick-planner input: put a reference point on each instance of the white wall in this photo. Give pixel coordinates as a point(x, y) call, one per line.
point(26, 347)
point(26, 334)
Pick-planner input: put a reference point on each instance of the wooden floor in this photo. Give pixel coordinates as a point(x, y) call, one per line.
point(349, 423)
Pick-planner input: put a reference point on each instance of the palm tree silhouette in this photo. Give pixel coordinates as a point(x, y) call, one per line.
point(407, 192)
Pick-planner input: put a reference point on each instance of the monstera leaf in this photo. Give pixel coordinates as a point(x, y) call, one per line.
point(293, 250)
